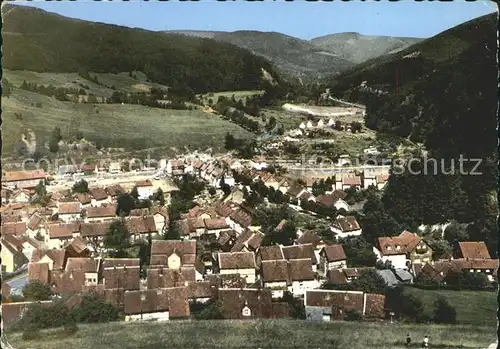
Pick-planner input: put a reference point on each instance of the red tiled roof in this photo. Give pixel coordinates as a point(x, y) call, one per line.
point(17, 228)
point(236, 260)
point(406, 242)
point(95, 229)
point(334, 253)
point(141, 225)
point(64, 230)
point(474, 250)
point(348, 224)
point(101, 212)
point(216, 223)
point(273, 252)
point(69, 208)
point(39, 272)
point(300, 252)
point(98, 194)
point(84, 198)
point(23, 175)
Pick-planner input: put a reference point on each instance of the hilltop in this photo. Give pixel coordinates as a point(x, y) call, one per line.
point(294, 57)
point(358, 48)
point(40, 41)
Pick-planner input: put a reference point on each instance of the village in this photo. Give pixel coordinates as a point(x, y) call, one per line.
point(191, 234)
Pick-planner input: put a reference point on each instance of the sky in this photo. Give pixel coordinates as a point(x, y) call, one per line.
point(305, 20)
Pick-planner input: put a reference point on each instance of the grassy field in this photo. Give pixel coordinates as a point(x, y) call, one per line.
point(121, 81)
point(116, 125)
point(275, 334)
point(473, 307)
point(228, 94)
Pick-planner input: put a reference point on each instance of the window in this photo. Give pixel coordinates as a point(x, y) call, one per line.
point(389, 248)
point(143, 297)
point(487, 270)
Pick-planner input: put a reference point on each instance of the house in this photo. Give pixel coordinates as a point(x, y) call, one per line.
point(295, 191)
point(166, 278)
point(161, 218)
point(301, 252)
point(175, 167)
point(235, 196)
point(114, 167)
point(12, 255)
point(99, 197)
point(68, 211)
point(226, 240)
point(89, 266)
point(145, 189)
point(369, 177)
point(30, 245)
point(242, 263)
point(214, 226)
point(346, 226)
point(21, 196)
point(328, 305)
point(248, 241)
point(239, 220)
point(6, 291)
point(77, 248)
point(99, 214)
point(310, 237)
point(269, 253)
point(156, 305)
point(440, 269)
point(201, 291)
point(23, 179)
point(471, 250)
point(141, 227)
point(345, 275)
point(56, 259)
point(94, 233)
point(295, 275)
point(61, 233)
point(15, 228)
point(84, 199)
point(333, 200)
point(245, 303)
point(114, 190)
point(121, 274)
point(402, 250)
point(332, 257)
point(173, 254)
point(347, 181)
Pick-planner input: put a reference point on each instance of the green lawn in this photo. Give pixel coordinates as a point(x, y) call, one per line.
point(228, 94)
point(274, 334)
point(473, 307)
point(116, 125)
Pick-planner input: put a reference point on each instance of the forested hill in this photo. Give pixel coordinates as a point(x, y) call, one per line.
point(434, 91)
point(40, 41)
point(441, 92)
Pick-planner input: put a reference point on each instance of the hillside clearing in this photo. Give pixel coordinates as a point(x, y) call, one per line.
point(270, 334)
point(238, 95)
point(132, 126)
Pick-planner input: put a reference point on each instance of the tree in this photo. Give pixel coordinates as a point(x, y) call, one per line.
point(37, 291)
point(226, 189)
point(94, 310)
point(358, 252)
point(212, 191)
point(229, 142)
point(134, 193)
point(125, 204)
point(81, 187)
point(53, 145)
point(444, 313)
point(117, 238)
point(160, 197)
point(56, 134)
point(211, 311)
point(41, 189)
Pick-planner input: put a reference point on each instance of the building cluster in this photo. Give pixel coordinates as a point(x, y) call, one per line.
point(219, 255)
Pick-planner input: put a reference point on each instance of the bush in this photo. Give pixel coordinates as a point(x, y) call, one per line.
point(70, 327)
point(93, 309)
point(31, 333)
point(444, 313)
point(353, 315)
point(37, 291)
